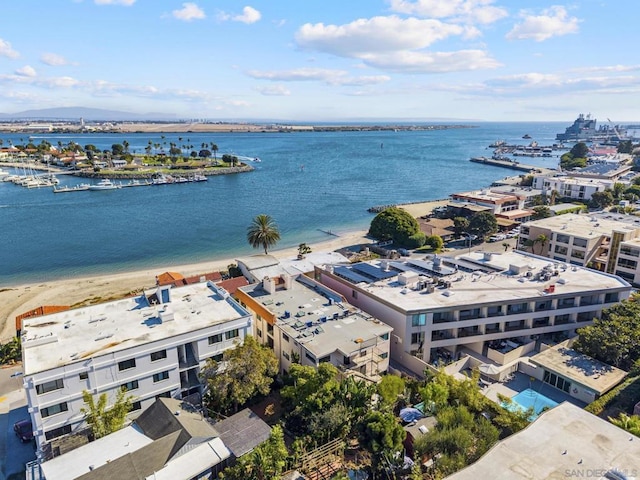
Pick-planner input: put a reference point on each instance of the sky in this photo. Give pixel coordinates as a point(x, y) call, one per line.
point(325, 60)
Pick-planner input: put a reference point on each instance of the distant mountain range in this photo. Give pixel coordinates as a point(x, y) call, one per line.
point(88, 114)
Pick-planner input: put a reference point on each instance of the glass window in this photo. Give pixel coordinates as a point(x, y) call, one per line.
point(84, 375)
point(232, 334)
point(57, 432)
point(417, 338)
point(325, 359)
point(127, 364)
point(217, 338)
point(562, 238)
point(158, 377)
point(54, 409)
point(47, 387)
point(310, 357)
point(159, 355)
point(384, 355)
point(579, 242)
point(218, 357)
point(133, 385)
point(385, 336)
point(136, 406)
point(419, 319)
point(285, 337)
point(286, 355)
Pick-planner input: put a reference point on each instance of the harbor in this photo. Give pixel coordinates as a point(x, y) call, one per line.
point(511, 164)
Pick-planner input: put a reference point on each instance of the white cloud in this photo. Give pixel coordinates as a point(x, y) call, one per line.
point(377, 34)
point(274, 90)
point(126, 3)
point(26, 71)
point(249, 15)
point(554, 21)
point(329, 77)
point(53, 59)
point(472, 11)
point(433, 62)
point(6, 50)
point(189, 11)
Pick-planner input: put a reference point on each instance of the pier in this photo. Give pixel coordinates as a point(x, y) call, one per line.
point(508, 164)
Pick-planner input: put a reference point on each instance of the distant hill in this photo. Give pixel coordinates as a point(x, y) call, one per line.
point(88, 114)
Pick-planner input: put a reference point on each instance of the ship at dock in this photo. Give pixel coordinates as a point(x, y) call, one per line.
point(584, 129)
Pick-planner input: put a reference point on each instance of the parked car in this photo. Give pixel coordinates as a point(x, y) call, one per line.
point(24, 430)
point(497, 238)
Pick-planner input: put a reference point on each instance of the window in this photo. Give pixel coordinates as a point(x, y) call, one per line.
point(136, 406)
point(132, 385)
point(310, 357)
point(580, 242)
point(54, 409)
point(286, 355)
point(285, 337)
point(259, 332)
point(164, 395)
point(84, 375)
point(577, 254)
point(562, 238)
point(57, 432)
point(354, 294)
point(419, 319)
point(232, 334)
point(269, 329)
point(218, 357)
point(626, 263)
point(417, 338)
point(325, 359)
point(217, 338)
point(127, 364)
point(47, 387)
point(158, 355)
point(384, 355)
point(561, 250)
point(385, 336)
point(158, 377)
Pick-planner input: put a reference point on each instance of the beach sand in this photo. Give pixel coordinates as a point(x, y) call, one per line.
point(20, 299)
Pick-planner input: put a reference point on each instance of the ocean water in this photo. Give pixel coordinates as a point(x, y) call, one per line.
point(308, 182)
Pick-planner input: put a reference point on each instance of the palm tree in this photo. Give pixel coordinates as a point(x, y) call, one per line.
point(214, 149)
point(263, 232)
point(542, 240)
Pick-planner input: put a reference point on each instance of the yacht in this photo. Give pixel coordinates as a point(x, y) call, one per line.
point(104, 184)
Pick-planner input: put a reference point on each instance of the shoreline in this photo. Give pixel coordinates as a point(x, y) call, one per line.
point(18, 299)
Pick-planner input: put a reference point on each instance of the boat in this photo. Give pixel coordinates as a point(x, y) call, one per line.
point(498, 144)
point(136, 183)
point(198, 177)
point(104, 184)
point(76, 188)
point(584, 129)
point(526, 136)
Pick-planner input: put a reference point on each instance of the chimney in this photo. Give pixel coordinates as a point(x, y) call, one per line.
point(269, 285)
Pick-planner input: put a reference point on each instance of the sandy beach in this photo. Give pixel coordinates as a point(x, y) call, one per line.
point(16, 300)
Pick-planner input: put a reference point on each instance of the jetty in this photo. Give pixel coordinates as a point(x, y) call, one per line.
point(508, 164)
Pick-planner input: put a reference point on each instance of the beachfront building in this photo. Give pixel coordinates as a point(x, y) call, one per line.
point(507, 205)
point(571, 186)
point(604, 241)
point(153, 345)
point(440, 306)
point(305, 322)
point(564, 442)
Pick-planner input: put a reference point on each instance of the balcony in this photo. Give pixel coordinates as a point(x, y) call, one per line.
point(562, 320)
point(468, 332)
point(494, 328)
point(441, 335)
point(511, 326)
point(541, 322)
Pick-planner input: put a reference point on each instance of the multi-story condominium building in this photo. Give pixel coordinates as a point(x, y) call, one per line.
point(509, 205)
point(153, 345)
point(571, 187)
point(305, 322)
point(602, 241)
point(440, 305)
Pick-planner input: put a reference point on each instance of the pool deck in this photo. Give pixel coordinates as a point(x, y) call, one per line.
point(520, 383)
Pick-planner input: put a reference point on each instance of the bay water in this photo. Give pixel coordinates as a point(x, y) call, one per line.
point(309, 182)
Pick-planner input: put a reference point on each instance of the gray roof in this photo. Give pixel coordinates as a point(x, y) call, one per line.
point(243, 431)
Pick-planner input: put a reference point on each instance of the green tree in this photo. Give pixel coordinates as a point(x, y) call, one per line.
point(303, 249)
point(542, 241)
point(541, 211)
point(602, 199)
point(630, 423)
point(390, 388)
point(263, 232)
point(117, 149)
point(246, 370)
point(102, 418)
point(11, 352)
point(214, 149)
point(615, 337)
point(382, 435)
point(483, 224)
point(579, 150)
point(618, 190)
point(394, 224)
point(435, 242)
point(460, 225)
point(266, 462)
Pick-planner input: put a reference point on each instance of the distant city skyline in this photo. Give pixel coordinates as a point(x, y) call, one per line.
point(312, 60)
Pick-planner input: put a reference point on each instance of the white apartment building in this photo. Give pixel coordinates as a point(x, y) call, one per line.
point(153, 345)
point(571, 187)
point(509, 205)
point(306, 322)
point(602, 241)
point(439, 306)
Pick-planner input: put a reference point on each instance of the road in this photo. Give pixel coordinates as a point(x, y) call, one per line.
point(13, 407)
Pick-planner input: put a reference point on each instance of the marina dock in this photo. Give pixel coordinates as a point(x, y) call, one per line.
point(508, 164)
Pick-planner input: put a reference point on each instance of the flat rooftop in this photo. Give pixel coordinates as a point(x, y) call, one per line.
point(486, 196)
point(588, 226)
point(74, 335)
point(473, 279)
point(319, 318)
point(564, 442)
point(579, 368)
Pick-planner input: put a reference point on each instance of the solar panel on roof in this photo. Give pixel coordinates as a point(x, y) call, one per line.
point(373, 271)
point(401, 266)
point(350, 275)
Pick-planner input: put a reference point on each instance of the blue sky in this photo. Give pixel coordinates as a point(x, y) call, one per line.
point(324, 60)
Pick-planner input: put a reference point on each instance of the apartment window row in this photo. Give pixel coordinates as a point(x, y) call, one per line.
point(630, 252)
point(54, 409)
point(47, 387)
point(132, 385)
point(558, 382)
point(626, 263)
point(57, 432)
point(127, 364)
point(218, 337)
point(158, 377)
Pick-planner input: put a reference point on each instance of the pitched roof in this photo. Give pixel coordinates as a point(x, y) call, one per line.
point(233, 284)
point(243, 432)
point(168, 415)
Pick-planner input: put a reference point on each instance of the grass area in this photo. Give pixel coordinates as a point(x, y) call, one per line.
point(619, 400)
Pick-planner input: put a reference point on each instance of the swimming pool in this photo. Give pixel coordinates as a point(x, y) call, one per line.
point(530, 398)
